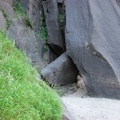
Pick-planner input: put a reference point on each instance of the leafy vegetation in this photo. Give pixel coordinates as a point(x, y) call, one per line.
point(44, 33)
point(22, 97)
point(61, 17)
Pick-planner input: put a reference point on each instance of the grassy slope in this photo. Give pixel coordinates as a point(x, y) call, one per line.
point(22, 97)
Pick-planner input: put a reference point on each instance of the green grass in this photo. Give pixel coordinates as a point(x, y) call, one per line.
point(44, 33)
point(22, 97)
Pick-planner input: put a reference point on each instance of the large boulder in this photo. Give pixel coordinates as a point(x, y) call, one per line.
point(93, 43)
point(25, 40)
point(62, 71)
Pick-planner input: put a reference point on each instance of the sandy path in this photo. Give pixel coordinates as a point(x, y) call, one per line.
point(92, 108)
point(82, 107)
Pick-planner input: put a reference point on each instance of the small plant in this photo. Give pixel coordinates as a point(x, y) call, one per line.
point(28, 22)
point(37, 34)
point(43, 33)
point(19, 10)
point(61, 17)
point(45, 48)
point(7, 19)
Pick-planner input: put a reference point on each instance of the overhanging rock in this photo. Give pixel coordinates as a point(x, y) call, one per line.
point(93, 43)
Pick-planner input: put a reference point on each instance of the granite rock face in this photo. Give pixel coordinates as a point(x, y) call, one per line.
point(25, 3)
point(93, 43)
point(21, 33)
point(8, 9)
point(25, 40)
point(35, 14)
point(61, 71)
point(54, 35)
point(10, 2)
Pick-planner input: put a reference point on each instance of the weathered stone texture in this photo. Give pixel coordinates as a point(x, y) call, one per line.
point(25, 40)
point(62, 71)
point(10, 2)
point(7, 9)
point(35, 14)
point(52, 23)
point(93, 43)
